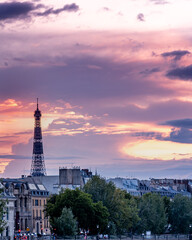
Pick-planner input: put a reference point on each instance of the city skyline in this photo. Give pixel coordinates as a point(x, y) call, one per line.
point(113, 81)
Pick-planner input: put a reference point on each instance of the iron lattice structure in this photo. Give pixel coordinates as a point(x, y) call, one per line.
point(38, 164)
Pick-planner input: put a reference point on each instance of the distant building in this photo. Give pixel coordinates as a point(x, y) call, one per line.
point(163, 187)
point(70, 178)
point(129, 185)
point(171, 187)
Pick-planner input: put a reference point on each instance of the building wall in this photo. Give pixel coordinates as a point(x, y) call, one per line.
point(9, 218)
point(40, 221)
point(69, 176)
point(23, 206)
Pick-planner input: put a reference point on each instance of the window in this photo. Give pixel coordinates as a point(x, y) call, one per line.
point(25, 202)
point(7, 214)
point(40, 202)
point(36, 213)
point(36, 202)
point(21, 223)
point(7, 231)
point(26, 224)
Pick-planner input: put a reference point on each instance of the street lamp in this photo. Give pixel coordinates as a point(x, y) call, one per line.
point(108, 227)
point(190, 236)
point(97, 232)
point(190, 226)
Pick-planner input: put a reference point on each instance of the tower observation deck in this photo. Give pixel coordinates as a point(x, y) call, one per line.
point(38, 164)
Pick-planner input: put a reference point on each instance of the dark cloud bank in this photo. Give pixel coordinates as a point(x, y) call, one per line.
point(183, 133)
point(183, 73)
point(15, 10)
point(21, 10)
point(182, 123)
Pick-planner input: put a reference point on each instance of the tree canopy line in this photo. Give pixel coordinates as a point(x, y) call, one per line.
point(100, 207)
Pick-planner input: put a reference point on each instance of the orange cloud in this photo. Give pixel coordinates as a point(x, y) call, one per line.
point(154, 149)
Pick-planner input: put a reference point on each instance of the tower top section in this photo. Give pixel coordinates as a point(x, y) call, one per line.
point(37, 113)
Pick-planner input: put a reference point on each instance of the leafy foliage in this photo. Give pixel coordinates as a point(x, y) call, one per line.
point(100, 207)
point(87, 213)
point(3, 203)
point(123, 213)
point(152, 214)
point(66, 223)
point(181, 214)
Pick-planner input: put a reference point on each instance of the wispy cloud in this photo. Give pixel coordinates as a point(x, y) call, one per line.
point(68, 8)
point(160, 2)
point(176, 55)
point(141, 17)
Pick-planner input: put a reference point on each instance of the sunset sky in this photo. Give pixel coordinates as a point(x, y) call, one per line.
point(114, 82)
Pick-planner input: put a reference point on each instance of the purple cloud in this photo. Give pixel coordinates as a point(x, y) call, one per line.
point(71, 7)
point(181, 123)
point(150, 71)
point(183, 73)
point(141, 17)
point(14, 157)
point(21, 10)
point(183, 135)
point(15, 10)
point(68, 8)
point(177, 55)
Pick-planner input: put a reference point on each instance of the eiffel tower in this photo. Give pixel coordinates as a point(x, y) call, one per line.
point(38, 164)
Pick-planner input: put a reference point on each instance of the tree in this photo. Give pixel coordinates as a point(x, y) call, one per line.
point(87, 213)
point(2, 213)
point(181, 214)
point(66, 223)
point(123, 213)
point(3, 202)
point(167, 206)
point(152, 214)
point(99, 220)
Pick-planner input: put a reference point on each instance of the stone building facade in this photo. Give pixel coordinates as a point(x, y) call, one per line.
point(8, 196)
point(39, 201)
point(26, 204)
